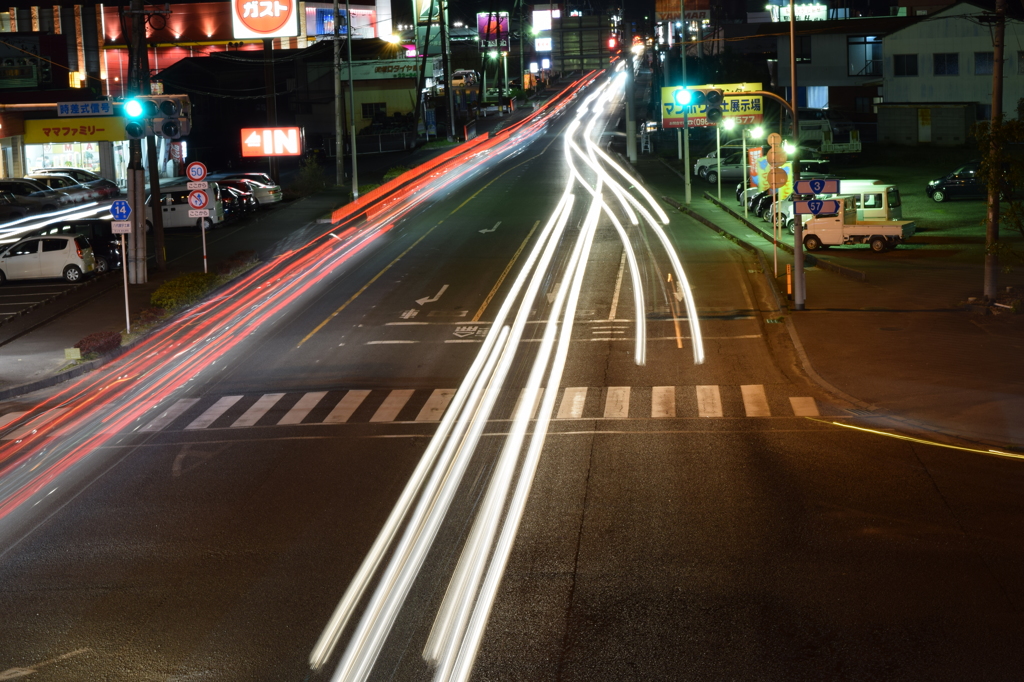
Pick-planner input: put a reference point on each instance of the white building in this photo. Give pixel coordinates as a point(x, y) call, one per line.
point(938, 77)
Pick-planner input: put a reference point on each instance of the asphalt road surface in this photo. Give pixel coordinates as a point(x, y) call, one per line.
point(686, 521)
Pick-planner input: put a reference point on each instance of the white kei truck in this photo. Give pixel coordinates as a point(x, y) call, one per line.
point(822, 232)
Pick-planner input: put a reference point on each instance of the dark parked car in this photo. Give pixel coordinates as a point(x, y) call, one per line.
point(244, 190)
point(10, 209)
point(106, 246)
point(963, 182)
point(106, 188)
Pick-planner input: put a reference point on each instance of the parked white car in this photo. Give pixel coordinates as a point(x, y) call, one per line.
point(67, 256)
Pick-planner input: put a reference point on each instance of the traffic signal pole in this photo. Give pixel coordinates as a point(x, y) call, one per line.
point(154, 173)
point(685, 133)
point(135, 259)
point(799, 288)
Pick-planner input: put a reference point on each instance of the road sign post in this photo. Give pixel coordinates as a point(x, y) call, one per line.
point(197, 201)
point(121, 210)
point(777, 178)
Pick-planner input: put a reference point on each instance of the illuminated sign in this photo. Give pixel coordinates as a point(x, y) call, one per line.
point(385, 68)
point(88, 129)
point(427, 12)
point(743, 108)
point(271, 142)
point(542, 44)
point(492, 27)
point(264, 18)
point(808, 12)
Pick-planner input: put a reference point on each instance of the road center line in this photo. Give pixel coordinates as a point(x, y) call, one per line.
point(504, 274)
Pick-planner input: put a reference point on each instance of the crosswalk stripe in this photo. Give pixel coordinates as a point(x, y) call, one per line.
point(436, 404)
point(215, 411)
point(343, 410)
point(258, 409)
point(754, 401)
point(804, 407)
point(709, 401)
point(305, 405)
point(663, 402)
point(35, 423)
point(572, 403)
point(392, 405)
point(170, 414)
point(9, 417)
point(616, 406)
point(535, 395)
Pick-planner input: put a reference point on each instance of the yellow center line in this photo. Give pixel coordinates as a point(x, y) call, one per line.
point(898, 436)
point(414, 244)
point(504, 274)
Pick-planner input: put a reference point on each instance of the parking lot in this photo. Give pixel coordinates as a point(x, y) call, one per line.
point(18, 297)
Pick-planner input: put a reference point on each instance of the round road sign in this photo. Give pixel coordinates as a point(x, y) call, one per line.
point(777, 177)
point(195, 171)
point(198, 199)
point(774, 139)
point(776, 157)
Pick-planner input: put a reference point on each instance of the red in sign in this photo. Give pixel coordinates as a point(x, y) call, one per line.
point(195, 171)
point(198, 199)
point(271, 142)
point(264, 16)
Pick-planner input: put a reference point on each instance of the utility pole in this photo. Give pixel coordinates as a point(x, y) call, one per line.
point(135, 259)
point(799, 290)
point(422, 82)
point(992, 218)
point(446, 55)
point(339, 130)
point(270, 78)
point(630, 107)
point(154, 166)
point(684, 134)
point(351, 102)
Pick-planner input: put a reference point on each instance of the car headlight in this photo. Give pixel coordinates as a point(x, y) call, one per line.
point(934, 182)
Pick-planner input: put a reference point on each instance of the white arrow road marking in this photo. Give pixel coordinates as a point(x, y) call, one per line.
point(677, 288)
point(421, 301)
point(492, 229)
point(554, 292)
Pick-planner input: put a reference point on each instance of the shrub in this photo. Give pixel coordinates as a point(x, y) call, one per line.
point(150, 315)
point(311, 177)
point(183, 290)
point(240, 259)
point(99, 343)
point(394, 172)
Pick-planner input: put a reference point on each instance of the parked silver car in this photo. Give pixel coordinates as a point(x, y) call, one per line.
point(78, 192)
point(67, 256)
point(263, 188)
point(107, 188)
point(33, 195)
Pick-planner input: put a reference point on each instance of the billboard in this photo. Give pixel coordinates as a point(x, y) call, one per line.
point(738, 104)
point(271, 142)
point(492, 28)
point(264, 18)
point(86, 129)
point(426, 12)
point(668, 10)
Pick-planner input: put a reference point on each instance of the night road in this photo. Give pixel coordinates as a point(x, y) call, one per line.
point(387, 456)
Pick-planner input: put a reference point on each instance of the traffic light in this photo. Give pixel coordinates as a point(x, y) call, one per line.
point(168, 116)
point(138, 113)
point(709, 98)
point(173, 119)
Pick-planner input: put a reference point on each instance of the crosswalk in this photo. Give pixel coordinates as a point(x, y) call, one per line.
point(377, 406)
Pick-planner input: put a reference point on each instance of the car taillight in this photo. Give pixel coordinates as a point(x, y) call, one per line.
point(79, 250)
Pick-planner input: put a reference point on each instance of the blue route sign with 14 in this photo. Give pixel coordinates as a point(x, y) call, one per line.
point(120, 209)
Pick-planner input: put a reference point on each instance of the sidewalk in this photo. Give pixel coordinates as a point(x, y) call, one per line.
point(902, 341)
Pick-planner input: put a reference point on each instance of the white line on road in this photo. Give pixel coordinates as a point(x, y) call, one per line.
point(302, 408)
point(258, 409)
point(343, 410)
point(709, 401)
point(616, 405)
point(618, 285)
point(215, 411)
point(170, 414)
point(572, 403)
point(392, 405)
point(804, 407)
point(663, 402)
point(754, 401)
point(435, 406)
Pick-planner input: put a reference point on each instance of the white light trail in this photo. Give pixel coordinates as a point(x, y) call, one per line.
point(410, 530)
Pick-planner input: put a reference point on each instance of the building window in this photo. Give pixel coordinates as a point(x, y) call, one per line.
point(946, 63)
point(373, 110)
point(983, 112)
point(803, 49)
point(864, 55)
point(904, 64)
point(982, 63)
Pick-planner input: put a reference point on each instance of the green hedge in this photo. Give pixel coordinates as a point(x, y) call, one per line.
point(183, 290)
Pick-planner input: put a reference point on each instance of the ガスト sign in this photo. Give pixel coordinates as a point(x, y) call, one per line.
point(264, 18)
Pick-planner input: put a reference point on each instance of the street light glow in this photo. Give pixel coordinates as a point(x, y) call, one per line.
point(729, 124)
point(758, 131)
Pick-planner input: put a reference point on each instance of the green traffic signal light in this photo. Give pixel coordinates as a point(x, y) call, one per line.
point(682, 97)
point(133, 108)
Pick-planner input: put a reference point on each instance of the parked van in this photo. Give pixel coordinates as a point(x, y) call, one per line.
point(873, 199)
point(175, 208)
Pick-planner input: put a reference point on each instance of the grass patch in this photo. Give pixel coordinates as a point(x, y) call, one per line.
point(438, 144)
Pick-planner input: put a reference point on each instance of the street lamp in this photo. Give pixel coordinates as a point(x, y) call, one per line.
point(728, 124)
point(755, 133)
